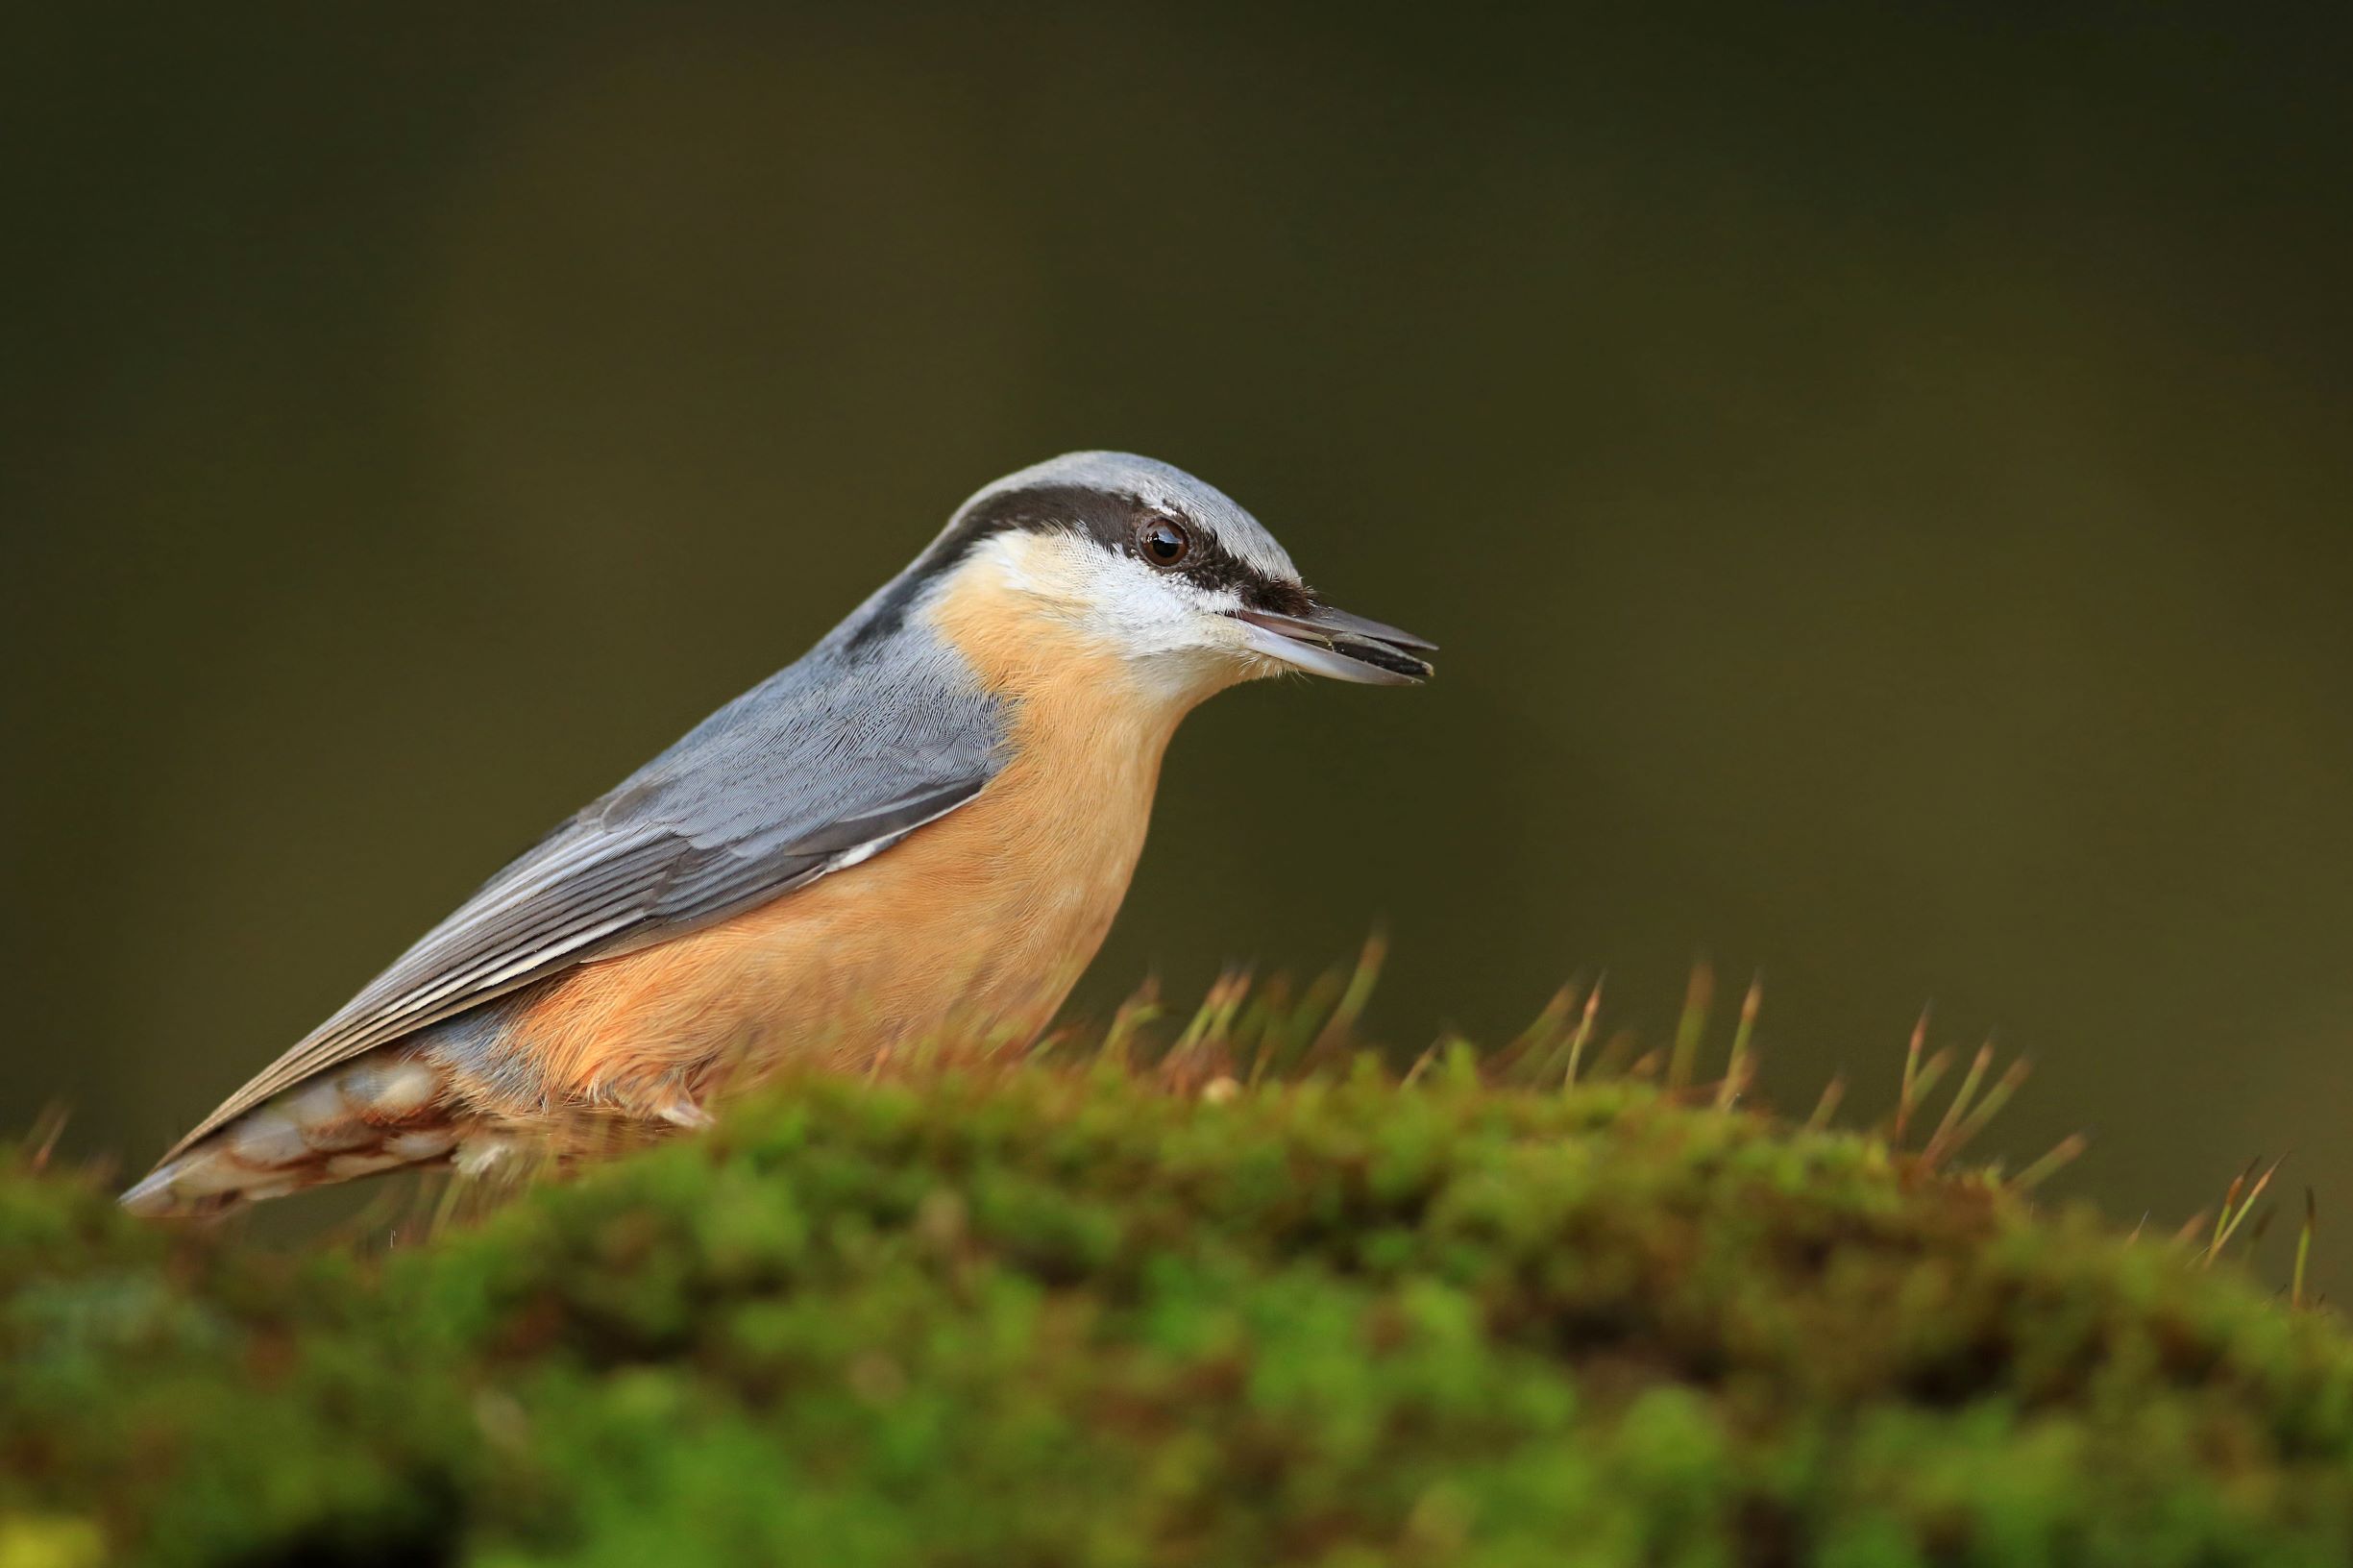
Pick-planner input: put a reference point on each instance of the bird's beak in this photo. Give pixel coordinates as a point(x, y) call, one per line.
point(1330, 642)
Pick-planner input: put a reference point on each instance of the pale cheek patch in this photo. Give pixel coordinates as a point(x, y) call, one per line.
point(1172, 632)
point(1044, 566)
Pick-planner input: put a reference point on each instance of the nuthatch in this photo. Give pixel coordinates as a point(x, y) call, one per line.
point(922, 828)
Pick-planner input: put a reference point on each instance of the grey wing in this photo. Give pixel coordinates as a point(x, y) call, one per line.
point(743, 810)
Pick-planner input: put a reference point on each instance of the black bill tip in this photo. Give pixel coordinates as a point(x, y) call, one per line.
point(1330, 642)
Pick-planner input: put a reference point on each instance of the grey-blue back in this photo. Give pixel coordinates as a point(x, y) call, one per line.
point(831, 760)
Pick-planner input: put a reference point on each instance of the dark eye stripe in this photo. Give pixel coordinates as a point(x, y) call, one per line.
point(1113, 518)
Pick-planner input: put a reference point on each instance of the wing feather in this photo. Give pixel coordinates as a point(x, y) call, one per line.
point(800, 775)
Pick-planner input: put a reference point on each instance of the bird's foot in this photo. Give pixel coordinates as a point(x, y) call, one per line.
point(680, 1109)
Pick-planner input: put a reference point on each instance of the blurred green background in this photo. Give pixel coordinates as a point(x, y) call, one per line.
point(1878, 475)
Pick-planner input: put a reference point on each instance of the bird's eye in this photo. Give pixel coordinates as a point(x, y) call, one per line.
point(1164, 543)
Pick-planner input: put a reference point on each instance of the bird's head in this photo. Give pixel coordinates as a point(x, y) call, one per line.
point(1146, 564)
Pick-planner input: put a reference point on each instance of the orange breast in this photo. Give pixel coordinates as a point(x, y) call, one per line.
point(974, 927)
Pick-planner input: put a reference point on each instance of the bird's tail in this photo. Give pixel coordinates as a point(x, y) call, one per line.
point(377, 1112)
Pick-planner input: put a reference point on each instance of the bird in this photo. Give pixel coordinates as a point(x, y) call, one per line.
point(921, 828)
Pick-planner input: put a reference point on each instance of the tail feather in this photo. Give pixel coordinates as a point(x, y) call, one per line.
point(382, 1111)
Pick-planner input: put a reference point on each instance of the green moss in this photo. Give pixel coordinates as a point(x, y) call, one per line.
point(1044, 1317)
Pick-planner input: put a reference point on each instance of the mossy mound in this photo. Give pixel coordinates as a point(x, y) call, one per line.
point(1044, 1317)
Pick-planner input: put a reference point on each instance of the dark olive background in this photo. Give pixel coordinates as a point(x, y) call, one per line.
point(1879, 473)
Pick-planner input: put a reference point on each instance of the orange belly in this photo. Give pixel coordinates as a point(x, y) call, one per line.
point(971, 930)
